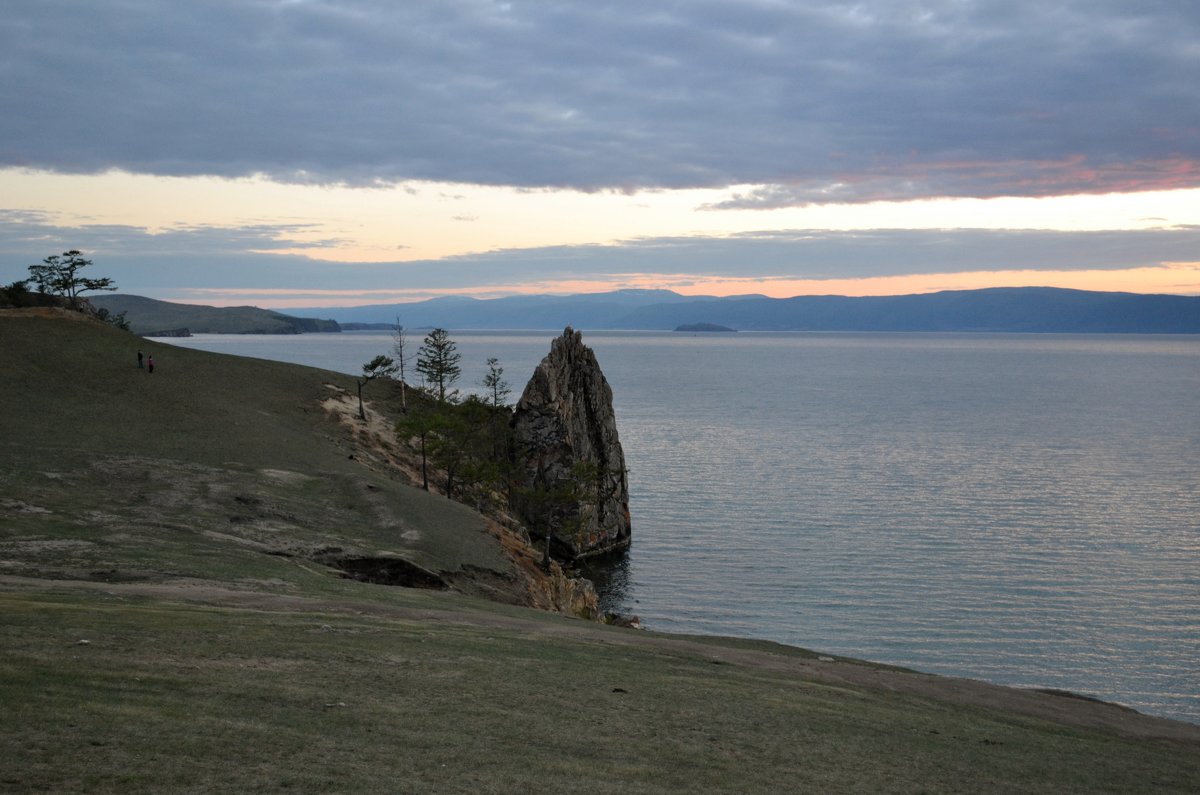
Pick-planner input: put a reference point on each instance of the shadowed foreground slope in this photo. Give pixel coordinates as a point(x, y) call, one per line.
point(166, 625)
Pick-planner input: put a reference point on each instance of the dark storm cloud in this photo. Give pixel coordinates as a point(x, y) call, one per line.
point(822, 101)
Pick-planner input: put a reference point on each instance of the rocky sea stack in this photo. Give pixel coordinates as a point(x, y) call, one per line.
point(571, 466)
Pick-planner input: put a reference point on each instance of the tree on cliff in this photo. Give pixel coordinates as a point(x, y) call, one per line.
point(379, 367)
point(59, 274)
point(437, 361)
point(417, 424)
point(458, 440)
point(403, 352)
point(458, 445)
point(499, 416)
point(495, 384)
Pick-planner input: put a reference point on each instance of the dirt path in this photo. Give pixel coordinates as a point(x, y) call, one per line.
point(1058, 708)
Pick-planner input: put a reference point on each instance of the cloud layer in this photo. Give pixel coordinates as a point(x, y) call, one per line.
point(189, 264)
point(816, 101)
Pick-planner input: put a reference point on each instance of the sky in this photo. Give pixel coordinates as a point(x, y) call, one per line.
point(303, 153)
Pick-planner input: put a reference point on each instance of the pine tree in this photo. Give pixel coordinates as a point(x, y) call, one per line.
point(379, 367)
point(495, 384)
point(60, 275)
point(437, 361)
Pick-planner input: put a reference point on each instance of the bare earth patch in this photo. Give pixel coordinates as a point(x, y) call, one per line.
point(17, 506)
point(284, 476)
point(32, 546)
point(378, 448)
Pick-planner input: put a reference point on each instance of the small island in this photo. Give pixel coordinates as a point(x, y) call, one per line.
point(704, 327)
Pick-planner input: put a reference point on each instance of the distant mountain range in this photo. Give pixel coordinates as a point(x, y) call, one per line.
point(1012, 309)
point(585, 311)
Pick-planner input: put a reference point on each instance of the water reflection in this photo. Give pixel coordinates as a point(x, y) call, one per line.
point(1019, 508)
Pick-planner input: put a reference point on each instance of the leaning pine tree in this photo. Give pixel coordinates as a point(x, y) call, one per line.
point(379, 367)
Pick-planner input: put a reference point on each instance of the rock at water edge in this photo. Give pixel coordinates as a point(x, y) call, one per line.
point(570, 465)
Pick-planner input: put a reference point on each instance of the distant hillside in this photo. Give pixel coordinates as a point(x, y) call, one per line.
point(147, 316)
point(1017, 309)
point(1009, 309)
point(704, 327)
point(590, 310)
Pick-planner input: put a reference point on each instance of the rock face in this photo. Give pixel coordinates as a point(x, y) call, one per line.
point(569, 459)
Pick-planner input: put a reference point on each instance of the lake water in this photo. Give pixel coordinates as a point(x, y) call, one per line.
point(1023, 509)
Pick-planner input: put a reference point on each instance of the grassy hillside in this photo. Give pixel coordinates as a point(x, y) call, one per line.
point(202, 467)
point(148, 316)
point(168, 623)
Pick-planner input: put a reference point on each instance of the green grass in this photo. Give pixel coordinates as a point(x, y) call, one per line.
point(148, 516)
point(172, 697)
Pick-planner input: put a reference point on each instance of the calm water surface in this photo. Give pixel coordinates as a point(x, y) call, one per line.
point(1018, 508)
